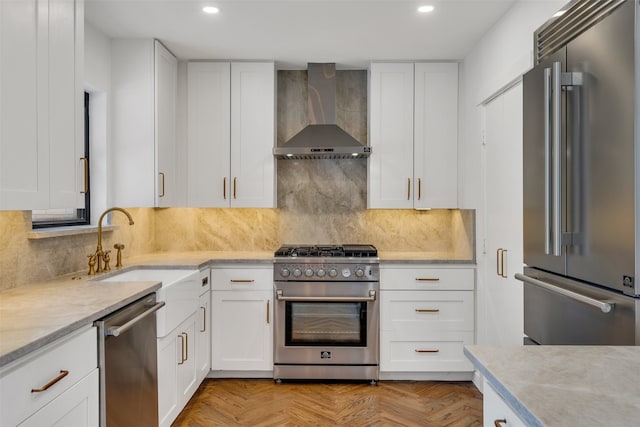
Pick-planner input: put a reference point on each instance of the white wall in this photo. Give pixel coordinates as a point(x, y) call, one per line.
point(500, 57)
point(97, 78)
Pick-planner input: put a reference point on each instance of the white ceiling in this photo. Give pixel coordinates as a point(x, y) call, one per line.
point(293, 32)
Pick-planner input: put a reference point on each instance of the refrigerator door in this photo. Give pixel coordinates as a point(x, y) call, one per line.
point(560, 311)
point(544, 148)
point(600, 164)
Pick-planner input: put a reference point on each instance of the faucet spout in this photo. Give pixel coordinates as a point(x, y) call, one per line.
point(99, 252)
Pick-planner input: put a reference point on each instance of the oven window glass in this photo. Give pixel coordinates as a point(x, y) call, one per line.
point(326, 324)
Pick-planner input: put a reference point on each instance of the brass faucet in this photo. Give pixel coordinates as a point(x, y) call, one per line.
point(99, 252)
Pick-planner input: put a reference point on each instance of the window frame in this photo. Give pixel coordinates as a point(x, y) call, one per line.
point(83, 216)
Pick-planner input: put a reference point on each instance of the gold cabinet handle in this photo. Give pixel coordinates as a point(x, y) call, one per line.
point(186, 346)
point(204, 319)
point(427, 310)
point(235, 187)
point(427, 350)
point(499, 423)
point(242, 280)
point(268, 309)
point(51, 383)
point(85, 163)
point(408, 188)
point(498, 261)
point(427, 279)
point(419, 188)
point(182, 359)
point(504, 263)
point(162, 186)
point(224, 188)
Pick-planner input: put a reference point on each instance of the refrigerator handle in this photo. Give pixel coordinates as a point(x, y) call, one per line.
point(547, 161)
point(603, 306)
point(557, 159)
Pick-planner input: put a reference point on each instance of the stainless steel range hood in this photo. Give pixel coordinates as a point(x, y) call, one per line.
point(323, 138)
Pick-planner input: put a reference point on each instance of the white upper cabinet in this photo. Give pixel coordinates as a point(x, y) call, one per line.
point(391, 137)
point(414, 135)
point(143, 144)
point(41, 104)
point(209, 133)
point(231, 134)
point(435, 165)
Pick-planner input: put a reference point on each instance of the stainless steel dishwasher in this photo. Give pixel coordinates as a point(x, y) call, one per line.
point(127, 358)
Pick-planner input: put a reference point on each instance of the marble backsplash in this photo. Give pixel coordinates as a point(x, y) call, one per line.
point(445, 233)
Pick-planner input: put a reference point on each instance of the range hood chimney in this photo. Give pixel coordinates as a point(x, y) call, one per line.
point(323, 138)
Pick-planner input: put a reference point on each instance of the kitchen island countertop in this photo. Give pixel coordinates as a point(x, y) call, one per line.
point(564, 386)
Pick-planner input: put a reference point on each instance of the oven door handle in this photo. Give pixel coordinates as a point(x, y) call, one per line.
point(281, 297)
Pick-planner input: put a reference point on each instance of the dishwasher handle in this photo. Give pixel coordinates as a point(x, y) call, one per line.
point(603, 306)
point(117, 330)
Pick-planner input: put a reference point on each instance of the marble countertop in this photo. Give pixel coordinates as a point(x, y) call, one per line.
point(564, 386)
point(398, 257)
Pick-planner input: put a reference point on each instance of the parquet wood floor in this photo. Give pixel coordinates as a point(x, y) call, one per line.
point(233, 402)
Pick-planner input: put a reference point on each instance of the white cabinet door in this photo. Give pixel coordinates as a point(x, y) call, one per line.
point(501, 309)
point(187, 383)
point(169, 355)
point(176, 370)
point(203, 339)
point(76, 407)
point(209, 134)
point(41, 103)
point(135, 175)
point(435, 183)
point(252, 135)
point(166, 92)
point(391, 136)
point(246, 345)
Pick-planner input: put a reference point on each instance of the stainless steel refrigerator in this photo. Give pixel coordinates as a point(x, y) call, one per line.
point(582, 177)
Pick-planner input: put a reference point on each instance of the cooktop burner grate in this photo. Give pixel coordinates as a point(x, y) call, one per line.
point(338, 251)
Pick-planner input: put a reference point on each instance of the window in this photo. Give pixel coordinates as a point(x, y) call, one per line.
point(71, 216)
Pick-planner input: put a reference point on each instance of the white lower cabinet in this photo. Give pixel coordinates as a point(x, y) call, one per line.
point(184, 352)
point(176, 370)
point(56, 385)
point(496, 411)
point(427, 316)
point(242, 332)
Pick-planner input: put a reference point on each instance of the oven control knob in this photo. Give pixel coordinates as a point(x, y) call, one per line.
point(359, 272)
point(333, 272)
point(308, 272)
point(321, 272)
point(346, 272)
point(284, 272)
point(297, 272)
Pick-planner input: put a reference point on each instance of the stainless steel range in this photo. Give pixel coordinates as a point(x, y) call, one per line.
point(326, 312)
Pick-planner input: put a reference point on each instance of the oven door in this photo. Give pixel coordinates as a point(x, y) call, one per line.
point(326, 323)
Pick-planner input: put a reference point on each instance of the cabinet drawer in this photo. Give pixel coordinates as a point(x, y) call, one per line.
point(77, 355)
point(242, 279)
point(413, 315)
point(427, 278)
point(439, 354)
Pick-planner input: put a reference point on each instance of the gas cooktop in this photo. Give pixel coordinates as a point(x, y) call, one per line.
point(337, 251)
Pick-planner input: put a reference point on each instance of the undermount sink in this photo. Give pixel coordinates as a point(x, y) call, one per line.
point(167, 277)
point(180, 291)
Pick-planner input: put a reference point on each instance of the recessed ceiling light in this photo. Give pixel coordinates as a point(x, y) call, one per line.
point(210, 9)
point(425, 9)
